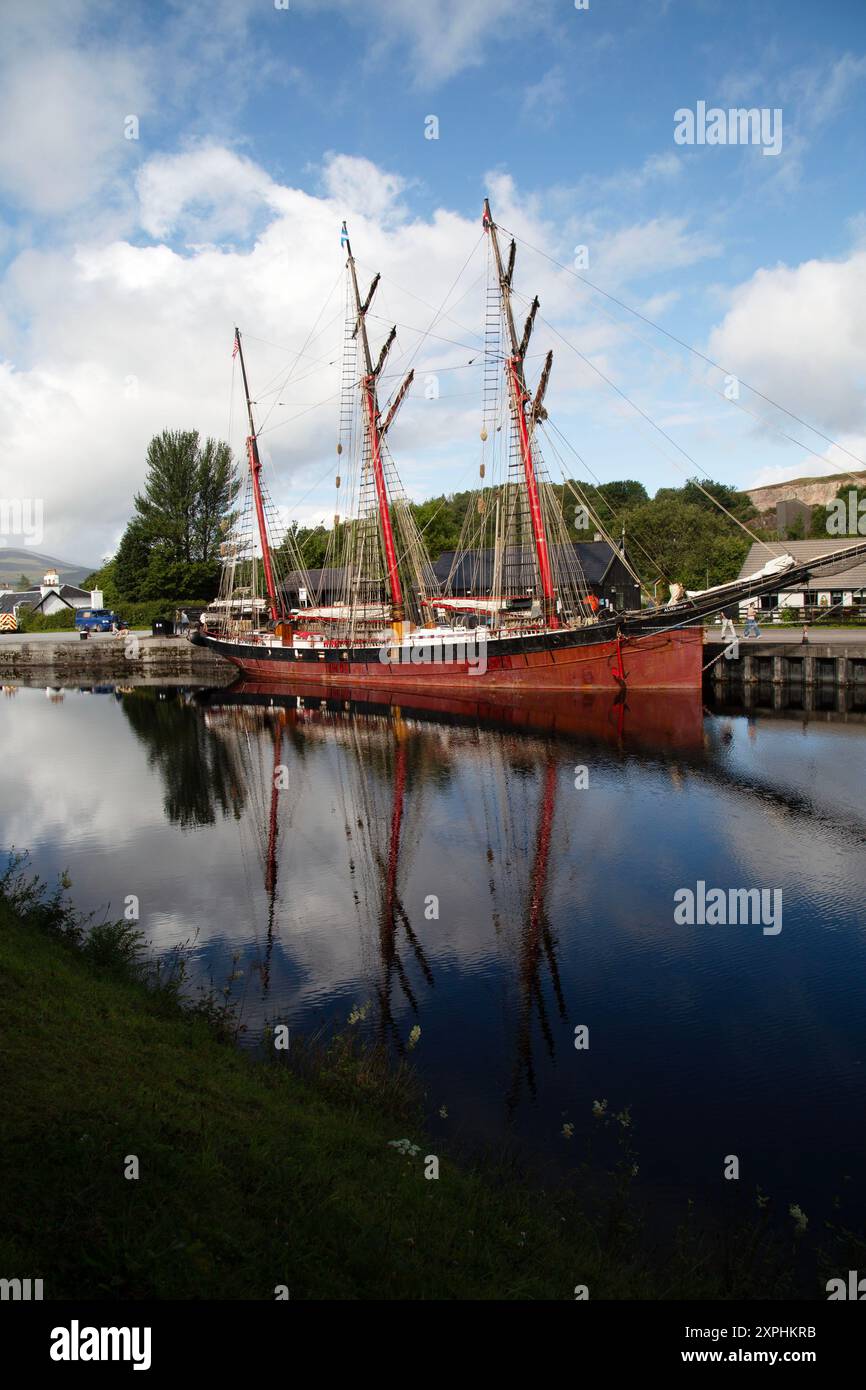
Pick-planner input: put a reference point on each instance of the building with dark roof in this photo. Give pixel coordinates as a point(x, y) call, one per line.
point(603, 567)
point(49, 597)
point(323, 586)
point(846, 589)
point(470, 575)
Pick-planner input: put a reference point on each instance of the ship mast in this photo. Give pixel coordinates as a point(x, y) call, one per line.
point(375, 434)
point(255, 470)
point(524, 415)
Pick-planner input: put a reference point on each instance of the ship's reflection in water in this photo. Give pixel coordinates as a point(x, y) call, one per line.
point(498, 877)
point(394, 759)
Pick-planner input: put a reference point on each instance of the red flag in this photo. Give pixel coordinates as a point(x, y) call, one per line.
point(236, 346)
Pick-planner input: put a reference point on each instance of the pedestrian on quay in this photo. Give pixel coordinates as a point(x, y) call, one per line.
point(729, 632)
point(750, 627)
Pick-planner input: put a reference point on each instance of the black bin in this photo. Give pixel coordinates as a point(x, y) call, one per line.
point(163, 627)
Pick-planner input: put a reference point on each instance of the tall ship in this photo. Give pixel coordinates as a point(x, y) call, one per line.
point(514, 614)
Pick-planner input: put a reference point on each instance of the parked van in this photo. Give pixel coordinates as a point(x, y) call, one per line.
point(95, 619)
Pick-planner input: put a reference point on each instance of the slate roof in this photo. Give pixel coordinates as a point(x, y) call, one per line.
point(319, 579)
point(9, 602)
point(803, 552)
point(476, 570)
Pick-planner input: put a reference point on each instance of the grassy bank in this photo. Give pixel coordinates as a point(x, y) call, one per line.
point(255, 1175)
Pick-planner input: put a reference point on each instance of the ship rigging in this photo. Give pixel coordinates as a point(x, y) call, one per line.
point(388, 620)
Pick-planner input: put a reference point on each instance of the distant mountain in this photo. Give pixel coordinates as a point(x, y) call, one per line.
point(18, 560)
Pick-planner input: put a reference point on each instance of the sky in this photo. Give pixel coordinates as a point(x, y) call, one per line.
point(169, 170)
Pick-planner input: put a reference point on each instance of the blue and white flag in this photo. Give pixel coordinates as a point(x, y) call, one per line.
point(344, 236)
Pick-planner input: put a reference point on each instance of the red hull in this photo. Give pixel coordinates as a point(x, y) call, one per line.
point(671, 660)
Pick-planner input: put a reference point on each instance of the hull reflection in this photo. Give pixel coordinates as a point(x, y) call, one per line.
point(669, 721)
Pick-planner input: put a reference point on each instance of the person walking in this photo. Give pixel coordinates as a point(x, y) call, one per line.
point(729, 632)
point(750, 628)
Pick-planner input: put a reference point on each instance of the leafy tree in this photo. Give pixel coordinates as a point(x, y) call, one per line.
point(704, 492)
point(314, 545)
point(440, 520)
point(104, 579)
point(171, 545)
point(132, 560)
point(188, 492)
point(688, 543)
point(22, 582)
point(621, 496)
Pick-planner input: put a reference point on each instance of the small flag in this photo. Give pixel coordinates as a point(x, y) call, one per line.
point(344, 236)
point(236, 346)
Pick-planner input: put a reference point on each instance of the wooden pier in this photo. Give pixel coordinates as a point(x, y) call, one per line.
point(826, 669)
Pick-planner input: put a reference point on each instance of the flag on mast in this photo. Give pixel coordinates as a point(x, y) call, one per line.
point(344, 235)
point(236, 346)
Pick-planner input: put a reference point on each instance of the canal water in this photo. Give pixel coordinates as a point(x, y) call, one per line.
point(506, 881)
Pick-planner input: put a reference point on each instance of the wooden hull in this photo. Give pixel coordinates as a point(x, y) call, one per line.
point(650, 658)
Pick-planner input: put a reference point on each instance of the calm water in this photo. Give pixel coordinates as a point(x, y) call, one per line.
point(442, 867)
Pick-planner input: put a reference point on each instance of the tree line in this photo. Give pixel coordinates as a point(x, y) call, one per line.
point(170, 548)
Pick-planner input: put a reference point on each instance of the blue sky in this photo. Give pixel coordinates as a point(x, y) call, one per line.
point(126, 262)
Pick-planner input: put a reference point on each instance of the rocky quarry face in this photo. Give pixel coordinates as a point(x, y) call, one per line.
point(813, 491)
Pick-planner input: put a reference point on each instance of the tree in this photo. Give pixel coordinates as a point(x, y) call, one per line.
point(170, 548)
point(439, 520)
point(704, 492)
point(104, 579)
point(22, 582)
point(132, 560)
point(188, 491)
point(688, 543)
point(621, 496)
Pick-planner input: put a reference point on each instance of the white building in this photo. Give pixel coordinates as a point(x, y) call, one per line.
point(50, 597)
point(845, 590)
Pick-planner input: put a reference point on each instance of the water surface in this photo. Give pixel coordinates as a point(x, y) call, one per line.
point(498, 878)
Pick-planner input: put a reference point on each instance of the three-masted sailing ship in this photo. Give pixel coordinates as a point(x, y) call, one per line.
point(380, 618)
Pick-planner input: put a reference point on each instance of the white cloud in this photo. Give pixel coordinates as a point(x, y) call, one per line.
point(211, 192)
point(125, 339)
point(796, 333)
point(442, 39)
point(62, 116)
point(542, 99)
point(358, 184)
point(649, 249)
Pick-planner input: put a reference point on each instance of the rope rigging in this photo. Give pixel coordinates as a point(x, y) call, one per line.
point(516, 567)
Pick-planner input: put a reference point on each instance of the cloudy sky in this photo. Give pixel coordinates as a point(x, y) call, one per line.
point(170, 169)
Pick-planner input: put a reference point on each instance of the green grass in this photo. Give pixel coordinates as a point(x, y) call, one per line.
point(254, 1175)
